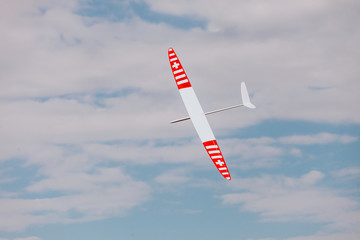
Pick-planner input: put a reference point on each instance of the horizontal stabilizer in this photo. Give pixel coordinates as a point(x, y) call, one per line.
point(180, 120)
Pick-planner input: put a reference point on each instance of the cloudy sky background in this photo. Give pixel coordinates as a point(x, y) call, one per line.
point(86, 96)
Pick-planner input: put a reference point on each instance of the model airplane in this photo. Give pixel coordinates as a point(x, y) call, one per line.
point(197, 115)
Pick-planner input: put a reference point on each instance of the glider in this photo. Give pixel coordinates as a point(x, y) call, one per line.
point(197, 115)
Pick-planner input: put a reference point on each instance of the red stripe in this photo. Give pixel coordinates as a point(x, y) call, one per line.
point(176, 65)
point(218, 160)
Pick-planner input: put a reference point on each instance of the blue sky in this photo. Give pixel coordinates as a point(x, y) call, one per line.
point(86, 97)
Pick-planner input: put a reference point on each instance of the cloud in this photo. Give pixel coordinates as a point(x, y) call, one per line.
point(68, 186)
point(176, 176)
point(319, 236)
point(284, 199)
point(23, 238)
point(28, 238)
point(312, 177)
point(92, 203)
point(268, 151)
point(149, 151)
point(253, 152)
point(320, 138)
point(333, 236)
point(350, 172)
point(262, 239)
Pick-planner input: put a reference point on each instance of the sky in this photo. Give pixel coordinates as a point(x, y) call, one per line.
point(87, 94)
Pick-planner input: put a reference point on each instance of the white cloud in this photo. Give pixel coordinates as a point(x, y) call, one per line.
point(331, 236)
point(23, 238)
point(347, 172)
point(149, 152)
point(267, 151)
point(262, 239)
point(91, 203)
point(69, 186)
point(312, 177)
point(176, 176)
point(278, 198)
point(347, 139)
point(320, 138)
point(319, 236)
point(253, 152)
point(28, 238)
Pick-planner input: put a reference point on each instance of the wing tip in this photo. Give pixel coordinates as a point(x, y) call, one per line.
point(216, 156)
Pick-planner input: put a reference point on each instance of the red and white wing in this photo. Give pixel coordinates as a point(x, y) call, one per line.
point(197, 115)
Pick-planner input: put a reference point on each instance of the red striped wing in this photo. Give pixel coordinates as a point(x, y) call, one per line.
point(178, 71)
point(216, 156)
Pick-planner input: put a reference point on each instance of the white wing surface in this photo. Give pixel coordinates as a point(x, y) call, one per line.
point(197, 115)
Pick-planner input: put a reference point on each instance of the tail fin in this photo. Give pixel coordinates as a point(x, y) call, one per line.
point(245, 97)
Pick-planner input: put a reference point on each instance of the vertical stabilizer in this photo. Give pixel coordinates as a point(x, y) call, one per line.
point(245, 97)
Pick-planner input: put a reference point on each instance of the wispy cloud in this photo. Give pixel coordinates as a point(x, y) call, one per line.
point(89, 204)
point(28, 238)
point(176, 176)
point(268, 151)
point(278, 198)
point(350, 172)
point(68, 187)
point(320, 138)
point(323, 236)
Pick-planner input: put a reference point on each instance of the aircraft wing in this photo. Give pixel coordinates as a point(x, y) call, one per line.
point(197, 115)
